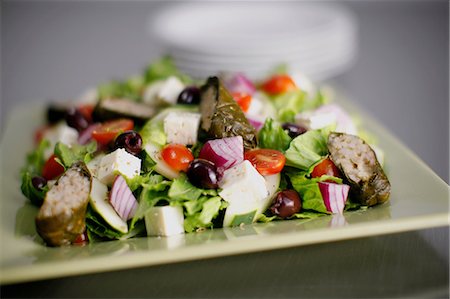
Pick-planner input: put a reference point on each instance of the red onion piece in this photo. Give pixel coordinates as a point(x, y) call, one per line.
point(255, 122)
point(238, 82)
point(86, 134)
point(334, 196)
point(122, 199)
point(225, 152)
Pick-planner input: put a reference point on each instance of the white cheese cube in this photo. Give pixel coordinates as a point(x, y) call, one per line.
point(313, 120)
point(182, 127)
point(164, 221)
point(243, 182)
point(170, 90)
point(118, 162)
point(344, 122)
point(303, 82)
point(59, 133)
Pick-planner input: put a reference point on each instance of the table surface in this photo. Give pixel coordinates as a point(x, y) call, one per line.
point(54, 50)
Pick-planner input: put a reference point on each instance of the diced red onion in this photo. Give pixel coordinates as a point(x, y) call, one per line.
point(334, 196)
point(344, 122)
point(86, 134)
point(238, 82)
point(122, 199)
point(255, 122)
point(225, 152)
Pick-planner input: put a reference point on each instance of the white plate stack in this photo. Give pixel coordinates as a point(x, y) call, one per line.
point(205, 38)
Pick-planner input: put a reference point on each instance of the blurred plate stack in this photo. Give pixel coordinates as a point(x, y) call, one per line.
point(205, 38)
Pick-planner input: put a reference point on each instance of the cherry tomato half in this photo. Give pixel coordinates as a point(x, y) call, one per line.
point(243, 100)
point(107, 132)
point(177, 156)
point(266, 161)
point(279, 84)
point(326, 167)
point(52, 169)
point(86, 110)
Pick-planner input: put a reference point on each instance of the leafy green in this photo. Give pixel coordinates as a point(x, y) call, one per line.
point(154, 190)
point(34, 195)
point(153, 132)
point(306, 150)
point(33, 167)
point(35, 160)
point(202, 214)
point(273, 136)
point(309, 191)
point(69, 155)
point(162, 69)
point(128, 89)
point(182, 189)
point(307, 215)
point(289, 104)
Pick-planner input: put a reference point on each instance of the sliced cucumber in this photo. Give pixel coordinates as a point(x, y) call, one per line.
point(99, 202)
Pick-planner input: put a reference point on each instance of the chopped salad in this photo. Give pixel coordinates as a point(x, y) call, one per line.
point(162, 154)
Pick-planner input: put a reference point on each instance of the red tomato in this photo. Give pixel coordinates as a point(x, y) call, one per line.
point(266, 161)
point(279, 84)
point(108, 131)
point(82, 239)
point(326, 167)
point(52, 169)
point(86, 110)
point(177, 156)
point(243, 100)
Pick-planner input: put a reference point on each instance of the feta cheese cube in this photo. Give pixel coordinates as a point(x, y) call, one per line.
point(170, 90)
point(313, 120)
point(164, 221)
point(119, 161)
point(243, 183)
point(59, 133)
point(255, 108)
point(182, 127)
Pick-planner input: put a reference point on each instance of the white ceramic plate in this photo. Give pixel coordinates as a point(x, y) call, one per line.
point(419, 200)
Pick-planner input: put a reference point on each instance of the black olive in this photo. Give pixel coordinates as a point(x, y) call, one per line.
point(189, 95)
point(286, 204)
point(38, 182)
point(131, 141)
point(203, 174)
point(293, 130)
point(76, 119)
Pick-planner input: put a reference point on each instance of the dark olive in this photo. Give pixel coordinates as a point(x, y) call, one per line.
point(38, 182)
point(76, 119)
point(131, 141)
point(203, 174)
point(294, 130)
point(189, 95)
point(56, 112)
point(286, 204)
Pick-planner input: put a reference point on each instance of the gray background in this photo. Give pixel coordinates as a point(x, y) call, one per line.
point(54, 50)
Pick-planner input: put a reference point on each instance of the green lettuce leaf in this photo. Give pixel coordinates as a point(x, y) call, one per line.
point(309, 191)
point(69, 155)
point(127, 89)
point(34, 195)
point(35, 160)
point(200, 215)
point(289, 104)
point(273, 136)
point(162, 69)
point(306, 150)
point(33, 167)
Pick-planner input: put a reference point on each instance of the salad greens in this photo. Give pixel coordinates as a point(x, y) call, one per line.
point(162, 177)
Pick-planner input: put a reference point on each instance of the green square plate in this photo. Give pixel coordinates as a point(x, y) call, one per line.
point(419, 200)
